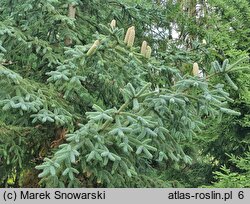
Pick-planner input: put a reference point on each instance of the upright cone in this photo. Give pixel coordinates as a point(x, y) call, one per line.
point(113, 24)
point(131, 37)
point(93, 48)
point(144, 48)
point(196, 69)
point(128, 34)
point(148, 52)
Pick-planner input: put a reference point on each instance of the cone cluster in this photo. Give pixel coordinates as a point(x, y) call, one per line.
point(128, 40)
point(146, 49)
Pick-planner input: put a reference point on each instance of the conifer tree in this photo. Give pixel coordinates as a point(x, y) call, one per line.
point(147, 125)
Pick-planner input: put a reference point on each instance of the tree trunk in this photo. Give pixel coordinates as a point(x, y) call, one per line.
point(72, 14)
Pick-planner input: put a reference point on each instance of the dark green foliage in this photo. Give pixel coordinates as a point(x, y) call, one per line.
point(236, 178)
point(13, 156)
